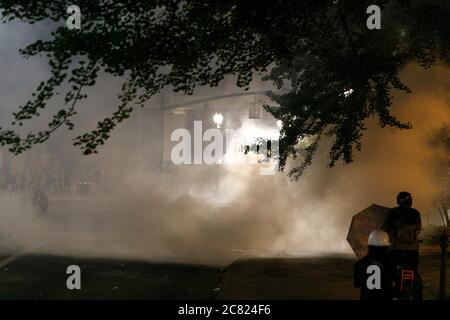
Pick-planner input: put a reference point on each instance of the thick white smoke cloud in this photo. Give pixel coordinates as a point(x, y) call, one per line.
point(213, 214)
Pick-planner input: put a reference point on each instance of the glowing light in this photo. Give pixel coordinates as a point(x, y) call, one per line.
point(348, 92)
point(218, 119)
point(279, 124)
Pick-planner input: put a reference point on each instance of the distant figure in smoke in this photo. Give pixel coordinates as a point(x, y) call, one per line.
point(376, 258)
point(40, 200)
point(403, 224)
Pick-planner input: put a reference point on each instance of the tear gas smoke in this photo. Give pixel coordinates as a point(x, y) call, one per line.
point(213, 214)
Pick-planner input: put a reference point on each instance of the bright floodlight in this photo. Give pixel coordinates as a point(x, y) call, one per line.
point(279, 124)
point(348, 93)
point(218, 119)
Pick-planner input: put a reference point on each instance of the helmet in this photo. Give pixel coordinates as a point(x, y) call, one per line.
point(378, 238)
point(404, 198)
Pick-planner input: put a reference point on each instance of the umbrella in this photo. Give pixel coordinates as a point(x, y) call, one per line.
point(363, 223)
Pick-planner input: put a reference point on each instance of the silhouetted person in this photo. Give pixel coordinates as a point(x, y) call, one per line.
point(40, 200)
point(403, 224)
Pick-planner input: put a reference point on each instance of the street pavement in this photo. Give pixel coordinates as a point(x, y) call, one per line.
point(329, 277)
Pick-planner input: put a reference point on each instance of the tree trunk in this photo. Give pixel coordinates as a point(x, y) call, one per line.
point(443, 280)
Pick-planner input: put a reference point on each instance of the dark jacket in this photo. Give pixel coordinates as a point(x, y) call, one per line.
point(403, 225)
point(361, 276)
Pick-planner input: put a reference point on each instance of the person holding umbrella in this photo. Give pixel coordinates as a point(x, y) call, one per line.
point(373, 274)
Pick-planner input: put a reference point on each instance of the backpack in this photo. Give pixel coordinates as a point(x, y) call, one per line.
point(405, 231)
